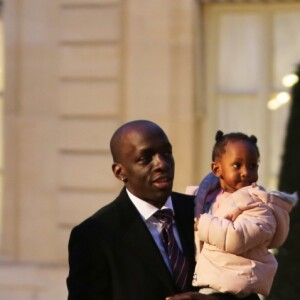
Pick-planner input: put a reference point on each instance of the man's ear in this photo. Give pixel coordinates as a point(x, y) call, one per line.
point(119, 172)
point(216, 169)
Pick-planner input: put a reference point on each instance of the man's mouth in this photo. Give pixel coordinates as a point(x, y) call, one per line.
point(162, 182)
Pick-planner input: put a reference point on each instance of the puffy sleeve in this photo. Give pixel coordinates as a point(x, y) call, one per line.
point(255, 226)
point(281, 211)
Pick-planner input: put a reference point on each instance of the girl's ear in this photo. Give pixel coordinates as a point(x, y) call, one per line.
point(216, 169)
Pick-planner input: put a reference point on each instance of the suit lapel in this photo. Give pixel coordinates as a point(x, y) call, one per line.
point(184, 218)
point(136, 236)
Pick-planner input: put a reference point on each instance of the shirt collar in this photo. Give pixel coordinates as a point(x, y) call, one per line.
point(146, 209)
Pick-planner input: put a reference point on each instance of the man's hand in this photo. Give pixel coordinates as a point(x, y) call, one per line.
point(196, 221)
point(192, 296)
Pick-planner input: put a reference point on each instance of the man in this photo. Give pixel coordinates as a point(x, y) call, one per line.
point(117, 253)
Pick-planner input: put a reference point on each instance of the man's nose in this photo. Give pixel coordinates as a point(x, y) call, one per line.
point(160, 160)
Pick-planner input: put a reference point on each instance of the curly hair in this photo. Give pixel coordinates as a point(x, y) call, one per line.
point(222, 139)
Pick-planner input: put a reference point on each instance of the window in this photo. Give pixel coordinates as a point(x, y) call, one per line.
point(248, 49)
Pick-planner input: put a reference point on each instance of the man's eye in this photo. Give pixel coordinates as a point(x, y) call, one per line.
point(145, 159)
point(168, 153)
point(236, 165)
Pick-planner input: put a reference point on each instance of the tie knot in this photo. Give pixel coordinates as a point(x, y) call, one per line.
point(164, 215)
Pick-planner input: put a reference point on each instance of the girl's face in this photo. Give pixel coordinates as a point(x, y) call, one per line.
point(237, 167)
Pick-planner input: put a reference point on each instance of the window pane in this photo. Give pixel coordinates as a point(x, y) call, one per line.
point(286, 45)
point(239, 52)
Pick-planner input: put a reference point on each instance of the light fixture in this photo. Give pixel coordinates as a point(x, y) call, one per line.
point(283, 97)
point(289, 80)
point(279, 100)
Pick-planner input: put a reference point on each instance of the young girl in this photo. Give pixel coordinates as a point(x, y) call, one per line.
point(237, 222)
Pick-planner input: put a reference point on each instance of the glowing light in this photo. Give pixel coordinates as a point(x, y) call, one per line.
point(273, 104)
point(283, 97)
point(289, 80)
point(280, 99)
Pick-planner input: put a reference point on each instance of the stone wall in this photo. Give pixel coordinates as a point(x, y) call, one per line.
point(76, 70)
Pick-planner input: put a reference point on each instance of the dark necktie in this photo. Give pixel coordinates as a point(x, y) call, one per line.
point(178, 262)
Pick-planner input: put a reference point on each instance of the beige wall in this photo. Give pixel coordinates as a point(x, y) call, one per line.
point(76, 70)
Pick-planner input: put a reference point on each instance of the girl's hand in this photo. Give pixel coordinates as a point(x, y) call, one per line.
point(233, 214)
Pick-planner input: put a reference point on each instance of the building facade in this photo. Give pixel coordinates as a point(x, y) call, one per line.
point(75, 70)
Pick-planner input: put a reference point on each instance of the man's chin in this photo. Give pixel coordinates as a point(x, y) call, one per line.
point(164, 193)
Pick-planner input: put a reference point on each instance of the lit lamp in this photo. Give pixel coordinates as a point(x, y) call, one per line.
point(279, 100)
point(283, 97)
point(289, 80)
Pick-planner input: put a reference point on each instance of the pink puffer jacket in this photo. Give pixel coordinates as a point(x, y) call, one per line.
point(234, 256)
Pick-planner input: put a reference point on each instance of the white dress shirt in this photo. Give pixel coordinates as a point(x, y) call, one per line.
point(146, 211)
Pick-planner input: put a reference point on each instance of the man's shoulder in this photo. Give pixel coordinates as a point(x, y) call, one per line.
point(183, 201)
point(97, 217)
point(104, 215)
point(181, 196)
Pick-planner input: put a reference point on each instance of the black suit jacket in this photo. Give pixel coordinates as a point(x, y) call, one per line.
point(112, 255)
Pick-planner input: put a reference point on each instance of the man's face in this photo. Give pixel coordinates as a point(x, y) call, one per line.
point(147, 164)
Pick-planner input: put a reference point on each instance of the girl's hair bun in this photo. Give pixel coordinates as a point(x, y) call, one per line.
point(253, 138)
point(219, 135)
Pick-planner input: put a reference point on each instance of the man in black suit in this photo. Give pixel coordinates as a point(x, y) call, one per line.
point(118, 253)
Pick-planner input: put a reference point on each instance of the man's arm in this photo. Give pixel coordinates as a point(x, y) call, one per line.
point(218, 296)
point(86, 280)
point(192, 296)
